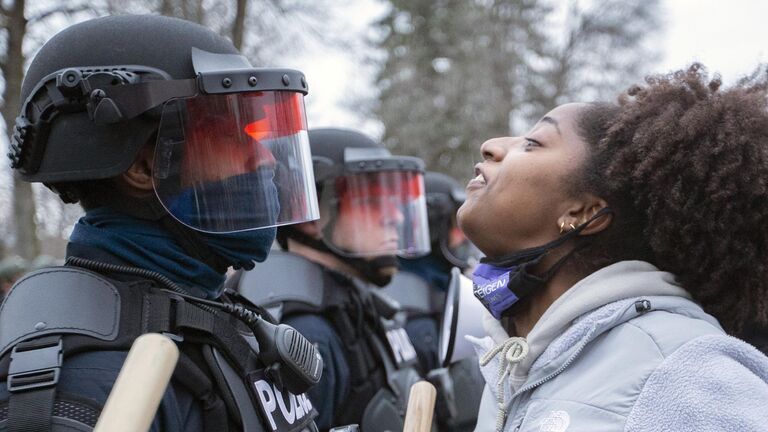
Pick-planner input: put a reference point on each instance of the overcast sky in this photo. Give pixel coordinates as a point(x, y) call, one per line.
point(730, 37)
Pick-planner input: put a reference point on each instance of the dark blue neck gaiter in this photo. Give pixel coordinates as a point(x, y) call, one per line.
point(145, 244)
point(436, 271)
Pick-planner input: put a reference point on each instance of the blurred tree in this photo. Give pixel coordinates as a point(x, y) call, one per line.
point(264, 30)
point(606, 45)
point(458, 72)
point(12, 62)
point(12, 66)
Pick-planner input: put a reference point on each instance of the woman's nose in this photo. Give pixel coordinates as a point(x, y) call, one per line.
point(494, 148)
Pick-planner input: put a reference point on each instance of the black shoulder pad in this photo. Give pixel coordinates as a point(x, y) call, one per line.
point(283, 277)
point(412, 292)
point(59, 300)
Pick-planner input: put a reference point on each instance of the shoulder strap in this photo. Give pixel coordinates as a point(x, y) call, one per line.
point(41, 324)
point(283, 278)
point(41, 308)
point(50, 301)
point(412, 292)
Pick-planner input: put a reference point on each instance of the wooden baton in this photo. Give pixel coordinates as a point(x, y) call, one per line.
point(140, 386)
point(421, 405)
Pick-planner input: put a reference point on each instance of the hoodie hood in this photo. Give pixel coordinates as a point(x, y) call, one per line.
point(606, 293)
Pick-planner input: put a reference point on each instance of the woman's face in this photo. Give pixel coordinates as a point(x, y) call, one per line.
point(522, 184)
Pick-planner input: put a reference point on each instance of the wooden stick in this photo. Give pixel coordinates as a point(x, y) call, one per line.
point(134, 399)
point(421, 405)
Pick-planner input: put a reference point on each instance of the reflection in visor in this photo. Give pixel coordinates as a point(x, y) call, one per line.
point(218, 147)
point(235, 162)
point(382, 213)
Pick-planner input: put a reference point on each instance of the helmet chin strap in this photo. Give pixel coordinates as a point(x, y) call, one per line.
point(149, 208)
point(378, 270)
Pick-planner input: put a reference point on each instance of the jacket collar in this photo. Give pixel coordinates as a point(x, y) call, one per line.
point(593, 306)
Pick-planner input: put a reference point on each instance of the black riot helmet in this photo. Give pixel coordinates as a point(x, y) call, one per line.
point(444, 197)
point(372, 204)
point(231, 151)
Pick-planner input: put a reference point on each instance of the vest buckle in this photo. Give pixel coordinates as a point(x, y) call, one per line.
point(35, 364)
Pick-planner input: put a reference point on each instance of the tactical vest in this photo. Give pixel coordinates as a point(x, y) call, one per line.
point(370, 325)
point(459, 385)
point(415, 295)
point(54, 313)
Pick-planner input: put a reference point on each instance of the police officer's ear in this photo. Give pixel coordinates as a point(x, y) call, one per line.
point(139, 176)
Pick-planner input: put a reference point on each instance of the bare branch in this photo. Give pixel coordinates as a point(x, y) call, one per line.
point(238, 25)
point(68, 10)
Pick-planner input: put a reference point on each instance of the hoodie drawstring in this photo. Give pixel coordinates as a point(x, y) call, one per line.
point(513, 350)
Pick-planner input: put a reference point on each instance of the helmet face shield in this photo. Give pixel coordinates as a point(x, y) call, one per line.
point(376, 213)
point(235, 162)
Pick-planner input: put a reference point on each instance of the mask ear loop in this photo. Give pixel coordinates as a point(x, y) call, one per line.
point(519, 256)
point(579, 245)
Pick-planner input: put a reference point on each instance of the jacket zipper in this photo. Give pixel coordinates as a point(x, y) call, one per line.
point(567, 363)
point(515, 400)
point(559, 370)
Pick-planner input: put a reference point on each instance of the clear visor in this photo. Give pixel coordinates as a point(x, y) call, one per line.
point(235, 162)
point(457, 244)
point(375, 214)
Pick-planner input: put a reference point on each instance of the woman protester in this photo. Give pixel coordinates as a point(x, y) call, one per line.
point(625, 243)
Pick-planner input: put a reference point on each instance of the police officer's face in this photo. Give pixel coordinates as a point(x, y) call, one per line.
point(368, 226)
point(220, 152)
point(522, 186)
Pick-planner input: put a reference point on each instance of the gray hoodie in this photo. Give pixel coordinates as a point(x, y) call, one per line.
point(623, 349)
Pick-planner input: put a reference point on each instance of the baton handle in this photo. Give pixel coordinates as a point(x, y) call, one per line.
point(140, 386)
point(421, 405)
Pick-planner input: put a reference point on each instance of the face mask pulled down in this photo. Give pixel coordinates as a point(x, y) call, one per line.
point(500, 283)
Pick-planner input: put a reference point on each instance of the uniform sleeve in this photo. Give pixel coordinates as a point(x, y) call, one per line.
point(424, 334)
point(712, 383)
point(329, 394)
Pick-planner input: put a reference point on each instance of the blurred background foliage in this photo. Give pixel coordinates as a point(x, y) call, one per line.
point(447, 74)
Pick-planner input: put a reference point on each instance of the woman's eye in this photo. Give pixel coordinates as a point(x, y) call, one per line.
point(529, 143)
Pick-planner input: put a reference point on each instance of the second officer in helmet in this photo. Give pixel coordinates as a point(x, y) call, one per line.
point(185, 158)
point(326, 282)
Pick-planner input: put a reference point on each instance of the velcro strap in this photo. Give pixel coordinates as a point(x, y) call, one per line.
point(216, 326)
point(193, 317)
point(31, 411)
point(157, 313)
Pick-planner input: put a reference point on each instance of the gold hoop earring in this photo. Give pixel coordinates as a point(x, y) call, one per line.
point(562, 227)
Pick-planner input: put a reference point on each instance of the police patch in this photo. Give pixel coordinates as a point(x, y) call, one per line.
point(284, 411)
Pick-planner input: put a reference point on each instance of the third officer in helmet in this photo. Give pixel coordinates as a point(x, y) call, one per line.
point(422, 288)
point(422, 283)
point(185, 158)
point(326, 283)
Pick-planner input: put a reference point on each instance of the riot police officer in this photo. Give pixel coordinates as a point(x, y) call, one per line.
point(422, 283)
point(421, 288)
point(372, 208)
point(184, 157)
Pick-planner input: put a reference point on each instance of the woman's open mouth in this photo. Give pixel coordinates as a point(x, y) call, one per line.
point(477, 182)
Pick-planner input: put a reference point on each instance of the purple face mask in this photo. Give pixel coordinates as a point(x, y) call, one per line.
point(490, 287)
point(500, 283)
